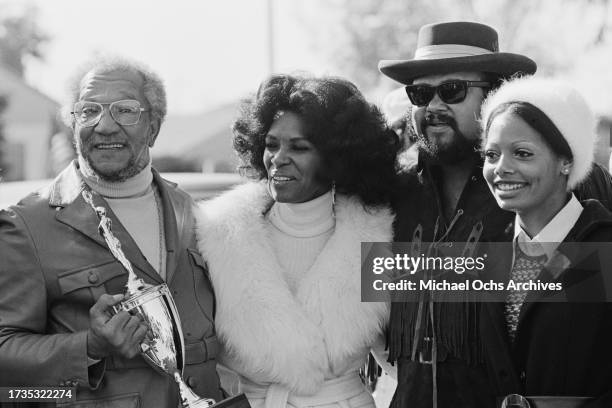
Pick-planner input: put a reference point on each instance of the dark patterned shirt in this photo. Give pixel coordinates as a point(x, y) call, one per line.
point(526, 268)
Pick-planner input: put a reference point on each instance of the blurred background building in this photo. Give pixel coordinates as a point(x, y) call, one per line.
point(29, 120)
point(197, 142)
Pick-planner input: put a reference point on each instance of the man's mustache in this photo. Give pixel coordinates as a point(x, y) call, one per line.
point(436, 119)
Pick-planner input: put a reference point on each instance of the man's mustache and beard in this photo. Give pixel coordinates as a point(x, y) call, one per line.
point(458, 149)
point(134, 165)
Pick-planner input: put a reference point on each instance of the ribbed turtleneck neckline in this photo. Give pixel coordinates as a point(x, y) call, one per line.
point(135, 186)
point(307, 219)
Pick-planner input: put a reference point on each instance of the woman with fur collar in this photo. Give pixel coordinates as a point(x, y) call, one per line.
point(284, 251)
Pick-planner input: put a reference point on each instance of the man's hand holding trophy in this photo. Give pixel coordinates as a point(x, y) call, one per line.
point(121, 333)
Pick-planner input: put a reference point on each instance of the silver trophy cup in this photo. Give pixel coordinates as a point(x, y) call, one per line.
point(163, 347)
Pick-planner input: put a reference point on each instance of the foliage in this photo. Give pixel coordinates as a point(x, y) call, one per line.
point(20, 38)
point(552, 32)
point(3, 106)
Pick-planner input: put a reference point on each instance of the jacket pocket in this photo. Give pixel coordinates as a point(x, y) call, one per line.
point(202, 351)
point(93, 281)
point(119, 401)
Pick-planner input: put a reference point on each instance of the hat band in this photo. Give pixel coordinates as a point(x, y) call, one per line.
point(448, 51)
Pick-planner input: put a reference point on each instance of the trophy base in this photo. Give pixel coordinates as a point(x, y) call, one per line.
point(239, 401)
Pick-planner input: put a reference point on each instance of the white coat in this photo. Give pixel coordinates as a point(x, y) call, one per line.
point(269, 335)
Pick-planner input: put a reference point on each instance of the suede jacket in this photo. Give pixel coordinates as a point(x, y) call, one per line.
point(54, 265)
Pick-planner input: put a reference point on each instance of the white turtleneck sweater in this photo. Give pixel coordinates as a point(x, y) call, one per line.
point(133, 201)
point(299, 232)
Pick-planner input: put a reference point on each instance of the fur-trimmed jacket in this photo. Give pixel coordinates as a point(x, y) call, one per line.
point(270, 335)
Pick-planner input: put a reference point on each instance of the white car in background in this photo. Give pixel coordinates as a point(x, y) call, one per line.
point(201, 186)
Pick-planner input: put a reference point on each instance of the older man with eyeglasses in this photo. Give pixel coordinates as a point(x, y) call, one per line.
point(58, 279)
point(437, 346)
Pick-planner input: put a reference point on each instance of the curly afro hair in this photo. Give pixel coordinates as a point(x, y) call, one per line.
point(358, 149)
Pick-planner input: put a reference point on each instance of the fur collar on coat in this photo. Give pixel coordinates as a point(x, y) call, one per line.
point(272, 335)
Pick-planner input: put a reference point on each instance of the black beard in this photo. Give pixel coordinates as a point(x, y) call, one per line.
point(460, 149)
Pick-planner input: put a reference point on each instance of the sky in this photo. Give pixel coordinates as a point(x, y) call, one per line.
point(207, 52)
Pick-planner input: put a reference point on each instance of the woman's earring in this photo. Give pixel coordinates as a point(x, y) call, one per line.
point(567, 166)
point(269, 188)
point(333, 194)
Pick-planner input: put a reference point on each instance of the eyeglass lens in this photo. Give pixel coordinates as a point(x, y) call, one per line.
point(449, 92)
point(126, 112)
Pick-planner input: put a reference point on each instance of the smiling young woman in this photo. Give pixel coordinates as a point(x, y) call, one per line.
point(537, 148)
point(538, 142)
point(526, 172)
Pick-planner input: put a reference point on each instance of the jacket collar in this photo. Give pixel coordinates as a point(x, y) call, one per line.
point(594, 216)
point(66, 187)
point(65, 193)
point(177, 234)
point(548, 239)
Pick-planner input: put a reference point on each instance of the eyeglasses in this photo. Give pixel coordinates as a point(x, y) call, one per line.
point(126, 112)
point(453, 91)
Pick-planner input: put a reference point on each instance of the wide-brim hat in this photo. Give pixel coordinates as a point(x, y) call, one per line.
point(459, 46)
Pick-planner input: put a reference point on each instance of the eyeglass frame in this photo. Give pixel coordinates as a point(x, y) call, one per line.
point(141, 109)
point(436, 90)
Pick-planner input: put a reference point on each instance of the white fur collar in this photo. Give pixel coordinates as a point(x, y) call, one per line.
point(276, 336)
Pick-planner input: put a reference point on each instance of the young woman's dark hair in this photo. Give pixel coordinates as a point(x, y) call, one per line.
point(358, 150)
point(538, 121)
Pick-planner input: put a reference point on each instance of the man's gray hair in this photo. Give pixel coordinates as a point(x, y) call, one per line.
point(153, 88)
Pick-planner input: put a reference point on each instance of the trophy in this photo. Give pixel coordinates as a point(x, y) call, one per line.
point(163, 347)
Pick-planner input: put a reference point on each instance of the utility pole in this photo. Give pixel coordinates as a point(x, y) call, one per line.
point(270, 36)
